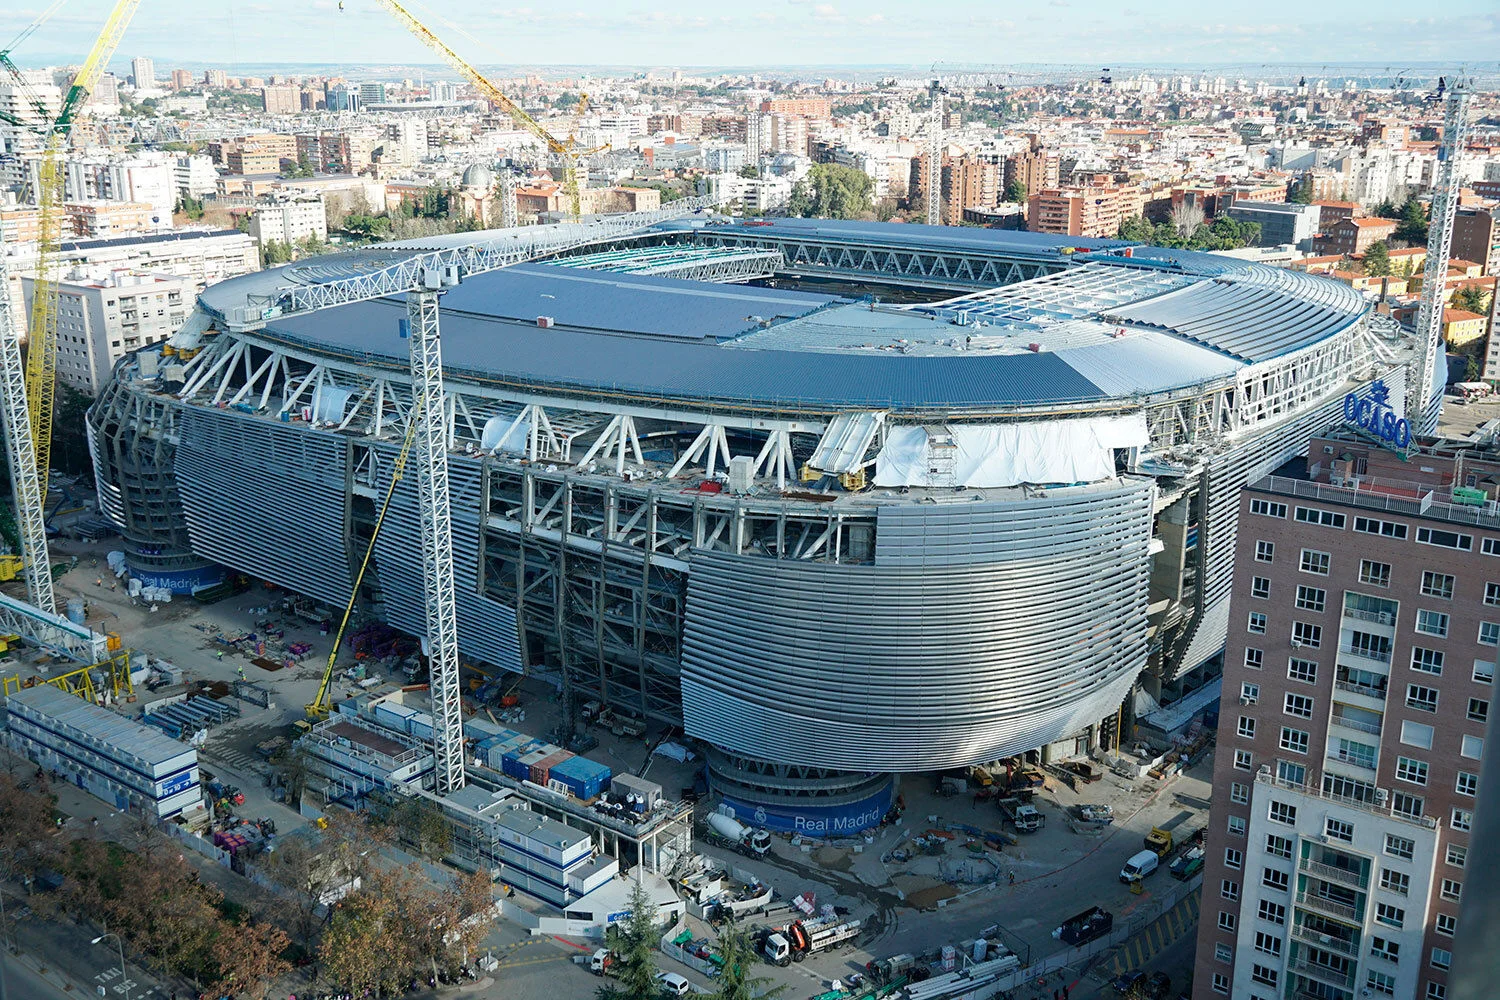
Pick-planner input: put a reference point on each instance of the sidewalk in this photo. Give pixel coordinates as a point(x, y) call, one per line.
point(58, 952)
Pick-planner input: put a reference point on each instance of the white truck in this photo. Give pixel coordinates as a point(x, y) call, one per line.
point(603, 963)
point(801, 938)
point(732, 833)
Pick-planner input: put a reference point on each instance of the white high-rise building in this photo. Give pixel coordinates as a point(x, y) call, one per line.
point(143, 73)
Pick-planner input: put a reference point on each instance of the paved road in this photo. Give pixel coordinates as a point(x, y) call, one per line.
point(23, 982)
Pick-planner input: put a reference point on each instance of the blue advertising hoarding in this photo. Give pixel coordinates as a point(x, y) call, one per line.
point(817, 821)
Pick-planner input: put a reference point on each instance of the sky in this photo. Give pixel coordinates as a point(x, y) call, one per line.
point(1182, 34)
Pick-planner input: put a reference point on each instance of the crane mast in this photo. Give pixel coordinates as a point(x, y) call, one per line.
point(1424, 394)
point(20, 448)
point(935, 156)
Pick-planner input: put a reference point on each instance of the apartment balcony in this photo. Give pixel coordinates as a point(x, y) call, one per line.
point(1357, 725)
point(1332, 908)
point(1299, 994)
point(1327, 942)
point(1352, 760)
point(1333, 873)
point(1354, 655)
point(1322, 973)
point(1385, 618)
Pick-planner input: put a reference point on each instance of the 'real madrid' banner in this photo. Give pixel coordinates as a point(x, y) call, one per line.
point(1376, 415)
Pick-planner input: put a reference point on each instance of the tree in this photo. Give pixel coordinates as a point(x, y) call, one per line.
point(1301, 194)
point(1187, 217)
point(1413, 225)
point(831, 191)
point(749, 170)
point(275, 252)
point(1016, 192)
point(421, 824)
point(634, 941)
point(190, 207)
point(247, 957)
point(70, 443)
point(1378, 260)
point(1386, 209)
point(1472, 299)
point(799, 203)
point(1136, 229)
point(736, 982)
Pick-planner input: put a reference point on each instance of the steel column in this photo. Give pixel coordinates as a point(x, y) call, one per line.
point(437, 536)
point(31, 515)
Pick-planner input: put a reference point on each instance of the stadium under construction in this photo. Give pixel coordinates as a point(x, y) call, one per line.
point(832, 537)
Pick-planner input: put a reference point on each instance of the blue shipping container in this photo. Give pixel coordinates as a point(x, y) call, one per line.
point(510, 761)
point(583, 777)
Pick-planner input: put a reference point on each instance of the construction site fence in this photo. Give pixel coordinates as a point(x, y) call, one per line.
point(1159, 904)
point(253, 693)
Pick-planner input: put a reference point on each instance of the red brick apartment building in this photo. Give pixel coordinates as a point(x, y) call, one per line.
point(1364, 626)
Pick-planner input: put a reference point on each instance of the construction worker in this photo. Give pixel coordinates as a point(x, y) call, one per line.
point(219, 653)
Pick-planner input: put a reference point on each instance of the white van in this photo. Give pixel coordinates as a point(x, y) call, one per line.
point(1139, 866)
point(673, 985)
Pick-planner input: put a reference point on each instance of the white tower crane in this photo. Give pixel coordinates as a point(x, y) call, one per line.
point(935, 154)
point(1424, 396)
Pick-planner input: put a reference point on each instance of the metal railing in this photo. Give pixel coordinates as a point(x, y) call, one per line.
point(1348, 723)
point(1364, 689)
point(1333, 873)
point(1426, 822)
point(1344, 757)
point(1329, 906)
point(1374, 617)
point(1377, 655)
point(1424, 504)
point(1326, 973)
point(1327, 942)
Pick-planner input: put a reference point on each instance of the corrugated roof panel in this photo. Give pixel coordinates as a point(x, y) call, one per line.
point(1146, 361)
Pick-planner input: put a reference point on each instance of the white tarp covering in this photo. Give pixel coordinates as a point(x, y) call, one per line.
point(985, 455)
point(329, 402)
point(506, 434)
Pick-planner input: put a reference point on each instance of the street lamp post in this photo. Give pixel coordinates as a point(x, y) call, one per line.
point(124, 976)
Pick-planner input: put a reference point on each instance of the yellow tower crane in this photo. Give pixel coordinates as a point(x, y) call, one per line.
point(567, 149)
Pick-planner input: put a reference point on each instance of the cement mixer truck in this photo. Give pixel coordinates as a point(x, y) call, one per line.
point(733, 834)
point(801, 938)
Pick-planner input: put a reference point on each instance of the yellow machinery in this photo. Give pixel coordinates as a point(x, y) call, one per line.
point(41, 357)
point(567, 149)
point(322, 703)
point(80, 682)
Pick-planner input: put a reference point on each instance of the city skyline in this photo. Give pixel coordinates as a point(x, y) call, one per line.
point(791, 32)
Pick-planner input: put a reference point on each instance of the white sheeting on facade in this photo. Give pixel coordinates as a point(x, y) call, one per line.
point(329, 402)
point(506, 433)
point(994, 455)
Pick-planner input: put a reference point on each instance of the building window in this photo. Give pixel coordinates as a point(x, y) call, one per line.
point(1484, 671)
point(1312, 598)
point(1489, 633)
point(1299, 705)
point(1294, 740)
point(1441, 958)
point(1314, 561)
point(1325, 518)
point(1265, 551)
point(1374, 526)
point(1230, 890)
point(1249, 693)
point(1272, 912)
point(1390, 916)
point(1428, 661)
point(1278, 847)
point(1437, 585)
point(1424, 699)
point(1379, 982)
point(1302, 670)
point(1452, 890)
point(1254, 658)
point(1354, 752)
point(1433, 623)
point(1282, 812)
point(1376, 574)
point(1404, 804)
point(1227, 920)
point(1400, 847)
point(1236, 826)
point(1239, 793)
point(1467, 784)
point(1221, 984)
point(1445, 924)
point(1394, 881)
point(1416, 734)
point(1260, 587)
point(1233, 858)
point(1306, 634)
point(1462, 821)
point(1338, 829)
point(1244, 760)
point(1479, 710)
point(1256, 623)
point(1246, 727)
point(1291, 774)
point(1268, 508)
point(1445, 539)
point(1472, 747)
point(1436, 991)
point(1263, 974)
point(1223, 953)
point(1269, 944)
point(1388, 950)
point(1414, 771)
point(1456, 856)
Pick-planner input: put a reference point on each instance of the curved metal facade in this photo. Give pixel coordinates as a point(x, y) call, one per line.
point(981, 630)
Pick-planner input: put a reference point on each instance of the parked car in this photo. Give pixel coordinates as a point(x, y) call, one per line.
point(1126, 981)
point(673, 985)
point(1159, 986)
